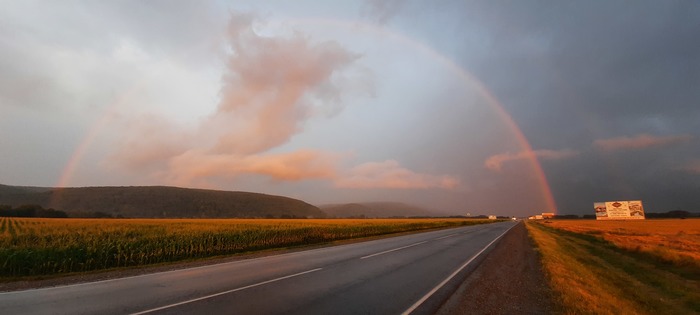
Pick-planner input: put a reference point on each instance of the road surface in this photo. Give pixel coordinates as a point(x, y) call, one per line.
point(398, 275)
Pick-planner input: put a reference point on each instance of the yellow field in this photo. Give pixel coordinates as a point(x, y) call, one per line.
point(675, 241)
point(621, 267)
point(34, 246)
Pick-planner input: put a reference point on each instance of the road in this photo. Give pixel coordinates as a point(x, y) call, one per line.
point(399, 275)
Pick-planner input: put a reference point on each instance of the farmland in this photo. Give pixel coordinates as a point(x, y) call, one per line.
point(38, 247)
point(621, 267)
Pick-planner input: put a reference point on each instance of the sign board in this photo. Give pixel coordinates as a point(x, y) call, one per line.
point(619, 210)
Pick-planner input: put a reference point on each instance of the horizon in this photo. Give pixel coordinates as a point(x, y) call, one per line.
point(435, 212)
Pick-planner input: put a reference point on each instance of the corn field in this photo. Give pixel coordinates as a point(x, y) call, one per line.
point(35, 246)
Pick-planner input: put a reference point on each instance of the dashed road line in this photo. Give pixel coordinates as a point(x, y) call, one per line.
point(225, 292)
point(446, 236)
point(393, 250)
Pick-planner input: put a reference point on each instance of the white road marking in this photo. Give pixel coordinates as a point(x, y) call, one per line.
point(435, 289)
point(451, 235)
point(236, 262)
point(393, 250)
point(226, 292)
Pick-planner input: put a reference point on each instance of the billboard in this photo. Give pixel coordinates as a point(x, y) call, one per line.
point(619, 210)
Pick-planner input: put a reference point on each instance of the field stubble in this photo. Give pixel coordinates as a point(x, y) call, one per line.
point(40, 247)
point(622, 267)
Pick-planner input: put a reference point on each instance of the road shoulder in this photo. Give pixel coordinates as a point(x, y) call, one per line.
point(508, 281)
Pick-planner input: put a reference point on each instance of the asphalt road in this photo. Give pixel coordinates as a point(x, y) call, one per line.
point(399, 275)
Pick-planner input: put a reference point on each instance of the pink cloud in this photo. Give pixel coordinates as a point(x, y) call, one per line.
point(638, 142)
point(692, 167)
point(147, 142)
point(495, 162)
point(390, 174)
point(270, 87)
point(195, 166)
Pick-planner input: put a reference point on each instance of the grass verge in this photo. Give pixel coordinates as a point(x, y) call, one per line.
point(590, 275)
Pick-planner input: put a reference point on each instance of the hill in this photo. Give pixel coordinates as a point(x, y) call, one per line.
point(158, 202)
point(377, 210)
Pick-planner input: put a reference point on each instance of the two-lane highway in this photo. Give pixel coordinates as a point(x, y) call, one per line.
point(397, 275)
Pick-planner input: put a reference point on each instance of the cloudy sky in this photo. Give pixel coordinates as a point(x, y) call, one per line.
point(482, 107)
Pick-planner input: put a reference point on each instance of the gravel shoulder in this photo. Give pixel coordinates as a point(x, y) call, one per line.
point(509, 280)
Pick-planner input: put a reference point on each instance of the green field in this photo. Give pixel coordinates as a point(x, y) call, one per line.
point(39, 247)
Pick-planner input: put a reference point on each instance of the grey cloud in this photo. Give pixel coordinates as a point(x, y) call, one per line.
point(571, 73)
point(642, 141)
point(381, 11)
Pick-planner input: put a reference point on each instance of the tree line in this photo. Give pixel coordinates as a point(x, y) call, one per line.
point(37, 211)
point(30, 211)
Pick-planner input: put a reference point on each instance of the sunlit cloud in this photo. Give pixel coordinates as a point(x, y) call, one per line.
point(638, 142)
point(390, 174)
point(692, 167)
point(271, 86)
point(198, 167)
point(147, 142)
point(495, 162)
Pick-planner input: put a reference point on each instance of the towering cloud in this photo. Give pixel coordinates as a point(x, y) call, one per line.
point(270, 87)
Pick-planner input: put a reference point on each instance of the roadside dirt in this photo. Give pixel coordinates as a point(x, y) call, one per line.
point(508, 281)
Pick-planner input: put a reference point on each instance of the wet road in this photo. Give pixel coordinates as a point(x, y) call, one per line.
point(398, 275)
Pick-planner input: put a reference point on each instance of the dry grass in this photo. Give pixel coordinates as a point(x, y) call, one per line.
point(672, 241)
point(592, 274)
point(34, 247)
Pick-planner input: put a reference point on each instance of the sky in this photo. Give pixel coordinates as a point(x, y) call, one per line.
point(479, 107)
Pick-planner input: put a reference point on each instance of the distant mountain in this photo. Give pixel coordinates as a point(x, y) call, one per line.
point(376, 210)
point(158, 202)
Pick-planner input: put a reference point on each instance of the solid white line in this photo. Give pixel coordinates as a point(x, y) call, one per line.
point(393, 250)
point(226, 292)
point(429, 294)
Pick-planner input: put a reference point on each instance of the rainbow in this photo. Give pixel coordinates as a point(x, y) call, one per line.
point(461, 73)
